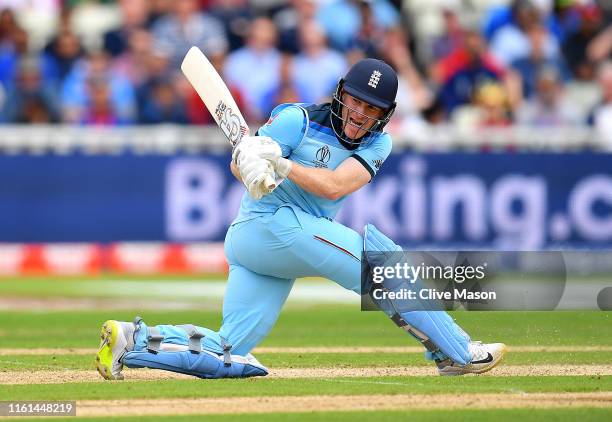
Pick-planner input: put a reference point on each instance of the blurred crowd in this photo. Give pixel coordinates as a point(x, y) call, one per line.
point(469, 62)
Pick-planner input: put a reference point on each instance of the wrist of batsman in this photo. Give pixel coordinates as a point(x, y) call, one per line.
point(282, 166)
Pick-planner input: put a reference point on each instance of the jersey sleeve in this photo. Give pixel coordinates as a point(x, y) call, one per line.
point(286, 126)
point(374, 155)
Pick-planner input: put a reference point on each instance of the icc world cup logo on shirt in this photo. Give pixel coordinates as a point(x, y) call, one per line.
point(322, 157)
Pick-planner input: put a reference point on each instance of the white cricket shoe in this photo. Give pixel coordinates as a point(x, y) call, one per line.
point(484, 358)
point(116, 338)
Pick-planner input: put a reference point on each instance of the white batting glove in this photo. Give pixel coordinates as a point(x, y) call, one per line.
point(268, 149)
point(262, 146)
point(253, 171)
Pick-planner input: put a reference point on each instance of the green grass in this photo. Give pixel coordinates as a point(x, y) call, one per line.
point(95, 288)
point(524, 415)
point(301, 387)
point(317, 325)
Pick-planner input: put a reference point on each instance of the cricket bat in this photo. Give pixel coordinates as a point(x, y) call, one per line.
point(217, 98)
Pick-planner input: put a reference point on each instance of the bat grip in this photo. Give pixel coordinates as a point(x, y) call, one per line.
point(270, 183)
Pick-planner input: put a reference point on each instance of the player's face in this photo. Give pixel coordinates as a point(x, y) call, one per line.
point(358, 116)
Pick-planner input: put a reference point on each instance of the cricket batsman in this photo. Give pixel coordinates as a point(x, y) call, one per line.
point(324, 153)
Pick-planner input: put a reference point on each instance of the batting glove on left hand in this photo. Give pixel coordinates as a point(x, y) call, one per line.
point(261, 146)
point(253, 171)
point(268, 149)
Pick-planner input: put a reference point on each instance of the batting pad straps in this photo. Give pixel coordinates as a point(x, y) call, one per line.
point(425, 341)
point(195, 337)
point(137, 321)
point(154, 339)
point(227, 357)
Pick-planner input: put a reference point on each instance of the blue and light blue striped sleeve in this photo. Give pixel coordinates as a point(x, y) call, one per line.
point(374, 155)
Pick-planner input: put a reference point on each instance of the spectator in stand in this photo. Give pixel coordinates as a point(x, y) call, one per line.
point(8, 24)
point(452, 38)
point(159, 9)
point(235, 16)
point(30, 100)
point(315, 70)
point(134, 17)
point(11, 52)
point(600, 47)
point(601, 116)
point(566, 18)
point(413, 95)
point(156, 105)
point(254, 70)
point(163, 105)
point(576, 45)
point(58, 60)
point(493, 104)
point(187, 26)
point(83, 81)
point(134, 63)
point(342, 20)
point(288, 20)
point(286, 91)
point(511, 43)
point(499, 16)
point(548, 106)
point(490, 108)
point(461, 73)
point(530, 67)
point(370, 35)
point(99, 109)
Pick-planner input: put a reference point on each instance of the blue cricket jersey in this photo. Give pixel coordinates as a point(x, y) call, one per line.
point(305, 136)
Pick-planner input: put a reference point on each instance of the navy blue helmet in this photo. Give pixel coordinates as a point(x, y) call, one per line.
point(372, 81)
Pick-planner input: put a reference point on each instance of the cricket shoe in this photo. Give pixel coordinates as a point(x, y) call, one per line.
point(116, 338)
point(484, 358)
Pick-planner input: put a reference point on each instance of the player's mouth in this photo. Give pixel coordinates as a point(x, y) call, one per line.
point(355, 122)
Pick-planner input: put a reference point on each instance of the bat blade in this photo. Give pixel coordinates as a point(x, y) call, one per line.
point(218, 99)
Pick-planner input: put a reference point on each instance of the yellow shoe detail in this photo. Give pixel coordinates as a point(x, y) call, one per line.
point(105, 358)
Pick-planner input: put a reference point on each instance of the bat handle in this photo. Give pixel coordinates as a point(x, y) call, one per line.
point(270, 183)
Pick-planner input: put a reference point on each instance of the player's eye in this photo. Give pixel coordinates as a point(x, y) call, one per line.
point(373, 111)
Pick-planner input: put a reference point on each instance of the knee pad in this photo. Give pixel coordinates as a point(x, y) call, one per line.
point(190, 359)
point(378, 250)
point(375, 241)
